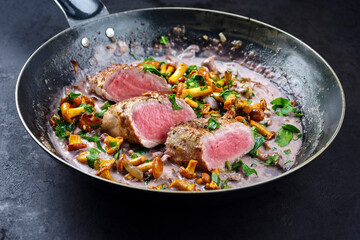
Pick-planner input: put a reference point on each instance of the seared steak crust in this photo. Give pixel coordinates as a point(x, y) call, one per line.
point(118, 120)
point(184, 142)
point(99, 82)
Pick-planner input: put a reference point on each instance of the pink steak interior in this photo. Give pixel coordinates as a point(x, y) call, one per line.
point(153, 120)
point(132, 83)
point(226, 147)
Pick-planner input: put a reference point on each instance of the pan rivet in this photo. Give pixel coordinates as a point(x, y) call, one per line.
point(110, 32)
point(85, 42)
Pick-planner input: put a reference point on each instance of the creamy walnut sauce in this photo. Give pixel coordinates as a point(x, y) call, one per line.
point(262, 89)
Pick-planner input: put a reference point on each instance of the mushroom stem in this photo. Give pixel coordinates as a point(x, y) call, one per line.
point(262, 130)
point(182, 186)
point(138, 160)
point(173, 79)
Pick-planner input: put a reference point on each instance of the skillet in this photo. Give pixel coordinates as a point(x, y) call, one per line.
point(304, 73)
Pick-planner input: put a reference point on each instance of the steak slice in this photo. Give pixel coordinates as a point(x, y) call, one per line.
point(145, 120)
point(211, 148)
point(120, 82)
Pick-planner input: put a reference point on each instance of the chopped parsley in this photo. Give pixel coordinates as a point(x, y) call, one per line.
point(288, 162)
point(259, 141)
point(114, 144)
point(195, 81)
point(116, 155)
point(172, 99)
point(142, 151)
point(213, 124)
point(272, 160)
point(282, 106)
point(63, 129)
point(106, 106)
point(224, 94)
point(245, 168)
point(71, 96)
point(134, 56)
point(204, 88)
point(225, 185)
point(190, 69)
point(248, 101)
point(154, 70)
point(164, 40)
point(217, 85)
point(134, 156)
point(283, 137)
point(298, 137)
point(287, 151)
point(94, 154)
point(291, 128)
point(285, 134)
point(227, 165)
point(149, 59)
point(94, 138)
point(216, 178)
point(88, 108)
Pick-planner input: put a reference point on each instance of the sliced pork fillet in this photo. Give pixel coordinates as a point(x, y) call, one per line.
point(211, 148)
point(145, 120)
point(120, 82)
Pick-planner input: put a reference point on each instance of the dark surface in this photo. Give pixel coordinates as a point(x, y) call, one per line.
point(40, 199)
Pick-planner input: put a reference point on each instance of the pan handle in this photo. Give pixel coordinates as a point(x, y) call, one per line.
point(77, 11)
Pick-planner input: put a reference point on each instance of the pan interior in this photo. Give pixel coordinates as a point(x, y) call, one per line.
point(302, 73)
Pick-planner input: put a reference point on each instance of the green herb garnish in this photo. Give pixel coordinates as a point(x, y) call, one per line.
point(224, 94)
point(213, 124)
point(134, 156)
point(195, 81)
point(245, 168)
point(288, 162)
point(88, 108)
point(283, 137)
point(94, 154)
point(287, 151)
point(134, 56)
point(227, 165)
point(94, 138)
point(172, 99)
point(190, 69)
point(272, 160)
point(116, 155)
point(282, 106)
point(64, 129)
point(291, 128)
point(259, 141)
point(106, 106)
point(142, 151)
point(285, 134)
point(71, 96)
point(224, 185)
point(216, 178)
point(154, 70)
point(298, 137)
point(164, 40)
point(204, 88)
point(149, 59)
point(113, 144)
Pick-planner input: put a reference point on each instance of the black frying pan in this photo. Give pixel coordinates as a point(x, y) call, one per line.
point(304, 73)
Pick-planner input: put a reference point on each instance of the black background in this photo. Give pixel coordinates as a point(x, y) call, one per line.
point(39, 199)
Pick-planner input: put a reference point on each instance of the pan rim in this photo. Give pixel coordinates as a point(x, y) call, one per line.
point(253, 185)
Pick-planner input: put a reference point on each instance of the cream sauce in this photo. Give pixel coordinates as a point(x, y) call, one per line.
point(263, 89)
